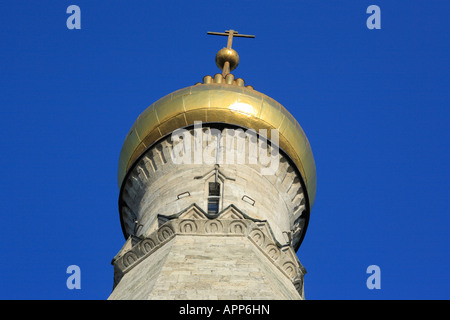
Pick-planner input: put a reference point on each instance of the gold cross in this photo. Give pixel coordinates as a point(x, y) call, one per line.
point(230, 34)
point(227, 59)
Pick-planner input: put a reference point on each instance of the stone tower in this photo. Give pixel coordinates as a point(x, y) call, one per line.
point(217, 181)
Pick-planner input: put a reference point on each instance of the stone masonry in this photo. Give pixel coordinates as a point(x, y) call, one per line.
point(177, 249)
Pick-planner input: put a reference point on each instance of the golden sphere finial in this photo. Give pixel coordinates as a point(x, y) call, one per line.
point(227, 59)
point(227, 55)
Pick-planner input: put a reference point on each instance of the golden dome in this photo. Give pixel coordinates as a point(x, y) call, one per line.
point(223, 100)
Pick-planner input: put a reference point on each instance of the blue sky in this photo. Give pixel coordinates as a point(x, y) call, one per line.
point(373, 103)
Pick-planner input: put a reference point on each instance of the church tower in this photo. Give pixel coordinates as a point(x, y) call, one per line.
point(217, 181)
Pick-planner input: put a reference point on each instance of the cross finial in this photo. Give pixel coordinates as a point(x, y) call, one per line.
point(227, 59)
point(230, 34)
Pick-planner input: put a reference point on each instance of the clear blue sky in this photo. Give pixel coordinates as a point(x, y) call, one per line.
point(373, 103)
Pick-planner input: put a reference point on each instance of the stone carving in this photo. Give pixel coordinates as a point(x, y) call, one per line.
point(257, 236)
point(188, 226)
point(237, 227)
point(165, 232)
point(129, 258)
point(213, 226)
point(272, 251)
point(147, 245)
point(230, 222)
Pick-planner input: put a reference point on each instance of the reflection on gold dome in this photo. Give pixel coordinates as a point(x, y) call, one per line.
point(219, 100)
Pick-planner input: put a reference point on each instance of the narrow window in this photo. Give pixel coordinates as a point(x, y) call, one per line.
point(213, 197)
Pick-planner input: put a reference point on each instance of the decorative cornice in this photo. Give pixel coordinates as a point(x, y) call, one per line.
point(195, 222)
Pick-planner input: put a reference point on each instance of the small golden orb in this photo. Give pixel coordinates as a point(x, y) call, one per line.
point(227, 54)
